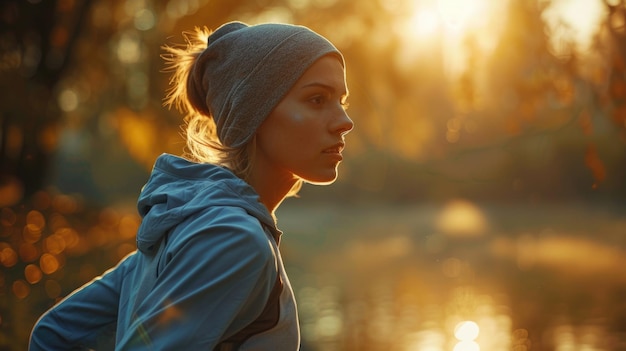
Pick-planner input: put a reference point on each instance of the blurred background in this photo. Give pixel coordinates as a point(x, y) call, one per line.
point(480, 205)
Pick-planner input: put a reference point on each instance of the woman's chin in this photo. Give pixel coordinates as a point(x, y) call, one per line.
point(322, 179)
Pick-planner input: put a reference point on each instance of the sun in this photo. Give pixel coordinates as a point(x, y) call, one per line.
point(458, 15)
point(444, 27)
point(425, 22)
point(447, 16)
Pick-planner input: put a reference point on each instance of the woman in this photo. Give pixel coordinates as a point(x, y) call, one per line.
point(265, 107)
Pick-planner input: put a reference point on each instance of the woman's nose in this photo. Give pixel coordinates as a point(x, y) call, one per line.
point(342, 123)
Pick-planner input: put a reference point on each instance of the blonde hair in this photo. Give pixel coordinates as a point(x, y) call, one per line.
point(203, 144)
point(199, 130)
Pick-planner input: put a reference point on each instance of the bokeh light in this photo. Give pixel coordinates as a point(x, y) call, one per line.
point(49, 263)
point(7, 217)
point(8, 256)
point(462, 218)
point(68, 100)
point(21, 290)
point(144, 19)
point(33, 274)
point(128, 49)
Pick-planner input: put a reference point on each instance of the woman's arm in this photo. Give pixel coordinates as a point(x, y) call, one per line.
point(84, 319)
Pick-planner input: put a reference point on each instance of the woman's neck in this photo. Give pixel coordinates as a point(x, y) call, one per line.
point(271, 187)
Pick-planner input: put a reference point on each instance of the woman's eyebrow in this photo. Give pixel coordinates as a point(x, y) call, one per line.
point(328, 87)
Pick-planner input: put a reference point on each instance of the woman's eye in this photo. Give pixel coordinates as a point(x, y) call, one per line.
point(320, 100)
point(317, 100)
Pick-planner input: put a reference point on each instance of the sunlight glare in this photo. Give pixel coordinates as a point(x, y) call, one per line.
point(454, 12)
point(581, 19)
point(442, 29)
point(425, 22)
point(457, 14)
point(466, 331)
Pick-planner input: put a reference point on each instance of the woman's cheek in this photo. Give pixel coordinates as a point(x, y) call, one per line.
point(297, 118)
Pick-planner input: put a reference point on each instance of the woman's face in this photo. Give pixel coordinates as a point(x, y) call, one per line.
point(303, 136)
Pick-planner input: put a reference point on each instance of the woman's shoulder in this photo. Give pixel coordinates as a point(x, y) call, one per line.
point(223, 226)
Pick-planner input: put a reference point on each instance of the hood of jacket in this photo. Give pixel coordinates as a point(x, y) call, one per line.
point(178, 189)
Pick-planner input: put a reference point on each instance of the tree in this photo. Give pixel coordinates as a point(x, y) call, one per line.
point(37, 39)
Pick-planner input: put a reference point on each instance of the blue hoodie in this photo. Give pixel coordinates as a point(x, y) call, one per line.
point(207, 274)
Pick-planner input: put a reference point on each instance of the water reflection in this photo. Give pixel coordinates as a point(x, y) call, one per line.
point(380, 322)
point(388, 279)
point(582, 337)
point(466, 331)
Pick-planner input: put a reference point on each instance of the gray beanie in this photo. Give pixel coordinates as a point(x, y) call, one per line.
point(245, 72)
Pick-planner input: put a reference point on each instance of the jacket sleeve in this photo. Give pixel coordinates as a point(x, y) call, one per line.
point(86, 319)
point(215, 280)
